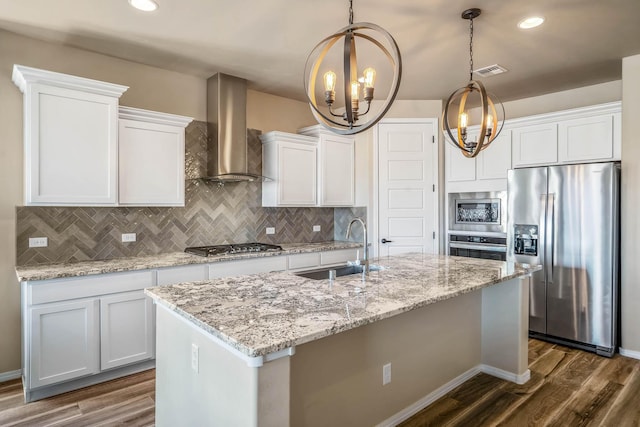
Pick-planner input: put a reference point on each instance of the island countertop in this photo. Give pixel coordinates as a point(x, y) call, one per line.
point(265, 313)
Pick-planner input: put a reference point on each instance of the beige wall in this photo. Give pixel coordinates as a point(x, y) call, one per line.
point(574, 98)
point(630, 199)
point(337, 380)
point(269, 112)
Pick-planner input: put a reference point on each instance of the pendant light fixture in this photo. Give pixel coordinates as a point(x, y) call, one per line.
point(347, 116)
point(460, 103)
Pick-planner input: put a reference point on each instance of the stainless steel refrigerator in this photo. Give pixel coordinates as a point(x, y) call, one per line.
point(566, 218)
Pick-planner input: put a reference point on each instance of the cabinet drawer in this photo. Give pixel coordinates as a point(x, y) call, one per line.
point(188, 273)
point(339, 256)
point(247, 266)
point(304, 260)
point(44, 291)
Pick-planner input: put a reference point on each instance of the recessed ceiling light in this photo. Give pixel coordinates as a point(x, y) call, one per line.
point(530, 22)
point(144, 5)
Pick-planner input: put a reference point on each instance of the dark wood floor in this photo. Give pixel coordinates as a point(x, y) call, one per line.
point(567, 388)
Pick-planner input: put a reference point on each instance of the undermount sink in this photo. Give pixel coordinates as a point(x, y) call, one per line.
point(325, 272)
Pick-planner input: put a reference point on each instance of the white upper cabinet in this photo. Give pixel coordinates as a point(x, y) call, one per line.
point(495, 161)
point(289, 161)
point(486, 172)
point(336, 167)
point(587, 139)
point(581, 135)
point(151, 158)
point(71, 138)
point(535, 145)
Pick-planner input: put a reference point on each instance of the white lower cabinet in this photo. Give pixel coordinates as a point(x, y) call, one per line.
point(127, 329)
point(247, 266)
point(63, 341)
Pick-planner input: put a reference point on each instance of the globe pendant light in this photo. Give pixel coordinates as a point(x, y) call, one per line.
point(349, 118)
point(489, 119)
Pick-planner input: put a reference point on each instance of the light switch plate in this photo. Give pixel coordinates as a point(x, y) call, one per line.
point(271, 230)
point(38, 242)
point(128, 237)
point(317, 228)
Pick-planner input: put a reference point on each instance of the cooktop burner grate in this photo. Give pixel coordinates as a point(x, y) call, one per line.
point(235, 248)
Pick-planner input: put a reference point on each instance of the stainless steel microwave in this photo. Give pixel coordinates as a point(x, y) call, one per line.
point(480, 211)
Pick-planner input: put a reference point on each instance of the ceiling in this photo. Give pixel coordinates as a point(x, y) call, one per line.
point(267, 41)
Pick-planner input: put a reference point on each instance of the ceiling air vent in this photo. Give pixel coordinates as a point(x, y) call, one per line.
point(490, 70)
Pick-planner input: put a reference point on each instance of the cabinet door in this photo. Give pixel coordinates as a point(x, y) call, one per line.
point(187, 273)
point(151, 164)
point(494, 161)
point(336, 165)
point(70, 147)
point(126, 329)
point(64, 341)
point(535, 145)
point(296, 174)
point(459, 167)
point(586, 139)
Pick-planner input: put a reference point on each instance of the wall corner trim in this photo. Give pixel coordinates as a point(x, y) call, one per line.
point(630, 353)
point(11, 375)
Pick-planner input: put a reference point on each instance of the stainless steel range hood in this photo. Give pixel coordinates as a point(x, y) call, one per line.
point(227, 130)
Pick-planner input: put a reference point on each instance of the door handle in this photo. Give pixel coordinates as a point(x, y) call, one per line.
point(386, 241)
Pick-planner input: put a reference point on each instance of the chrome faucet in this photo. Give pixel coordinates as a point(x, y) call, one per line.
point(366, 241)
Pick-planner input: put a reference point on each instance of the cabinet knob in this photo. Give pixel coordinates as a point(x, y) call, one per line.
point(386, 241)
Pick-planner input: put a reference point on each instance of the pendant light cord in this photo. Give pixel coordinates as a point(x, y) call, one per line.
point(470, 49)
point(350, 12)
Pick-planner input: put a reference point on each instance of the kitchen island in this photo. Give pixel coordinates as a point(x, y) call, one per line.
point(278, 349)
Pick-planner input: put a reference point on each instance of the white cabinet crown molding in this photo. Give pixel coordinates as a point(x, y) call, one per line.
point(149, 116)
point(288, 137)
point(555, 116)
point(22, 76)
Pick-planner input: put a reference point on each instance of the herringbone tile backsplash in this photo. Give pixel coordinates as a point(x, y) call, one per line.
point(211, 215)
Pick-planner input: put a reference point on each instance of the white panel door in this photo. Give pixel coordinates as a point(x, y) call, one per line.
point(64, 341)
point(126, 329)
point(407, 178)
point(151, 164)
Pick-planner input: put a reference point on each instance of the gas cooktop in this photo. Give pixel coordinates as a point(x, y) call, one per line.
point(235, 248)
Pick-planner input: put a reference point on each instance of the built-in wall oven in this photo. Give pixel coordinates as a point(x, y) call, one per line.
point(477, 225)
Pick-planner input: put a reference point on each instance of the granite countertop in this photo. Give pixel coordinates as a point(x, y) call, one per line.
point(266, 313)
point(173, 259)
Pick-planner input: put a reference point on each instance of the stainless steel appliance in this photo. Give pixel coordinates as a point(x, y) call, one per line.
point(566, 218)
point(478, 212)
point(478, 246)
point(236, 248)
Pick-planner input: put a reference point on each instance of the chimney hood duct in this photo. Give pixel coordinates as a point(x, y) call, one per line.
point(227, 130)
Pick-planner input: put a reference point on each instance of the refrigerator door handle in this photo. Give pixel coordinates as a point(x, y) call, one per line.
point(542, 235)
point(549, 237)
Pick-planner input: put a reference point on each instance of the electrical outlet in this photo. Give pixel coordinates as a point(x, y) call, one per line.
point(316, 228)
point(38, 242)
point(128, 237)
point(386, 374)
point(271, 230)
point(195, 359)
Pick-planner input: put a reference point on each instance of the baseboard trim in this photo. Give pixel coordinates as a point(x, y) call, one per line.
point(506, 375)
point(630, 353)
point(427, 400)
point(413, 409)
point(11, 375)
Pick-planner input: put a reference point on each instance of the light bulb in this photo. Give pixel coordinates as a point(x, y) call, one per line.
point(144, 5)
point(329, 81)
point(355, 89)
point(369, 77)
point(489, 121)
point(464, 120)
